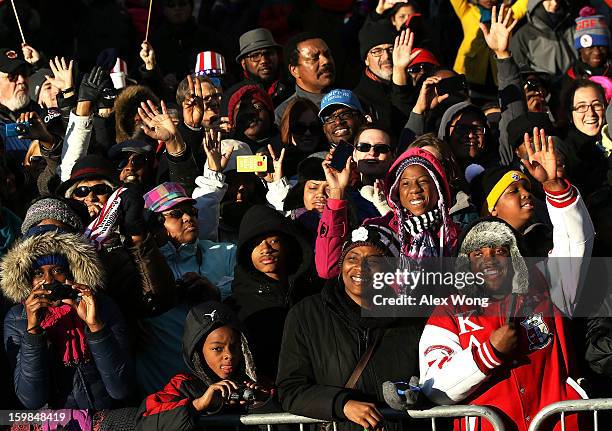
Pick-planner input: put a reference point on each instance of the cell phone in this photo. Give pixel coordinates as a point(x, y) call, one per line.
point(453, 85)
point(16, 129)
point(60, 291)
point(252, 163)
point(533, 85)
point(341, 154)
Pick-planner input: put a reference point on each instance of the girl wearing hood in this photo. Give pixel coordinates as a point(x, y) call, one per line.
point(66, 350)
point(217, 355)
point(326, 336)
point(513, 354)
point(419, 196)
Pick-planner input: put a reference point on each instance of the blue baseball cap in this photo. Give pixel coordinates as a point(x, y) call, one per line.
point(340, 97)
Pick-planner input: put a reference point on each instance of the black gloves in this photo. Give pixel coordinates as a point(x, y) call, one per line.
point(92, 84)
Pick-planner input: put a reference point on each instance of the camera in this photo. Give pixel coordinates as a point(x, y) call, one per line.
point(60, 291)
point(244, 393)
point(16, 129)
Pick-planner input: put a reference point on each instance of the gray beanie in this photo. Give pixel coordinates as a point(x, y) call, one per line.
point(51, 208)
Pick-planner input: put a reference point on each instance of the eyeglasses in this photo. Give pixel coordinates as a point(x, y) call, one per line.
point(342, 116)
point(364, 147)
point(138, 161)
point(178, 212)
point(300, 129)
point(596, 106)
point(377, 52)
point(257, 56)
point(466, 130)
point(98, 190)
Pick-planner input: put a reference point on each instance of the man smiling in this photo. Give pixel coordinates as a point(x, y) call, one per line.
point(342, 115)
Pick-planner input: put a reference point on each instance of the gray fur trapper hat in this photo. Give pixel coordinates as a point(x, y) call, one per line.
point(494, 232)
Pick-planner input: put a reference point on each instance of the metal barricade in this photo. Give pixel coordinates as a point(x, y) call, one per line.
point(562, 407)
point(434, 413)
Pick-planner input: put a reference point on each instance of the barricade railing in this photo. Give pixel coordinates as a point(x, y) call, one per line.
point(595, 405)
point(271, 419)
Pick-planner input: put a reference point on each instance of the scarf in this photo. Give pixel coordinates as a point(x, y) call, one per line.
point(485, 14)
point(101, 230)
point(66, 332)
point(422, 228)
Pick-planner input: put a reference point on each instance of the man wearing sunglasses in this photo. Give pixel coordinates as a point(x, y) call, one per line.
point(14, 99)
point(259, 58)
point(133, 162)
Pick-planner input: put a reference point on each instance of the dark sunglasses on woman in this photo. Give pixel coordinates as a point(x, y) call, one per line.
point(178, 212)
point(300, 129)
point(98, 190)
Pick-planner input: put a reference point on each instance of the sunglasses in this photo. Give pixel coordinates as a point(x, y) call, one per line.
point(364, 147)
point(300, 129)
point(138, 161)
point(98, 190)
point(178, 212)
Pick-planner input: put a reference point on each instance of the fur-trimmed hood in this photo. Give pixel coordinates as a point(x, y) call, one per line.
point(16, 266)
point(126, 108)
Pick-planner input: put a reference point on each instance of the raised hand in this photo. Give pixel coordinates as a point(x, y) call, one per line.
point(428, 96)
point(402, 49)
point(277, 162)
point(157, 125)
point(147, 55)
point(62, 73)
point(86, 308)
point(212, 147)
point(337, 181)
point(498, 36)
point(92, 85)
point(30, 54)
point(542, 163)
point(193, 105)
point(37, 129)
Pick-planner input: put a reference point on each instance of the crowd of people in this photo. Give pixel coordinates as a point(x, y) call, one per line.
point(194, 198)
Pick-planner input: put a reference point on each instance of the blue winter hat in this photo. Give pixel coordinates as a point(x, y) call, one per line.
point(340, 97)
point(51, 259)
point(591, 30)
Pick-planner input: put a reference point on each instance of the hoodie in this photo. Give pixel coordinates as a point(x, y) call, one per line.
point(38, 361)
point(545, 43)
point(261, 302)
point(171, 408)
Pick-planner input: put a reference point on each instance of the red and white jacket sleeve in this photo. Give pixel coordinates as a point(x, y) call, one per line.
point(448, 372)
point(573, 236)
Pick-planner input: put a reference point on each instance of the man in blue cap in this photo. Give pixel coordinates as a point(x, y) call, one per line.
point(341, 115)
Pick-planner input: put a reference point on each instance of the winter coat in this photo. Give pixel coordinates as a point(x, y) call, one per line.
point(473, 57)
point(324, 339)
point(387, 103)
point(590, 167)
point(334, 227)
point(458, 363)
point(41, 378)
point(261, 302)
point(171, 408)
point(541, 47)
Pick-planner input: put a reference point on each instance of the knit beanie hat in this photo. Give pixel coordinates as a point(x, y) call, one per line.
point(377, 236)
point(51, 208)
point(591, 29)
point(36, 81)
point(379, 33)
point(525, 124)
point(51, 259)
point(253, 91)
point(491, 184)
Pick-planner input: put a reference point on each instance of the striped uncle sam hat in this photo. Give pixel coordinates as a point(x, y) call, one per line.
point(120, 66)
point(209, 63)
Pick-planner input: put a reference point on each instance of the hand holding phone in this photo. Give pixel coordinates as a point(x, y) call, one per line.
point(341, 154)
point(454, 85)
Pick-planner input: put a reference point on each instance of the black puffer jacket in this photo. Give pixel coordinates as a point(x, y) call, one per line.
point(171, 408)
point(324, 338)
point(261, 302)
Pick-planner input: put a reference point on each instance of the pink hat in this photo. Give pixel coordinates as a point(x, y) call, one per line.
point(166, 196)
